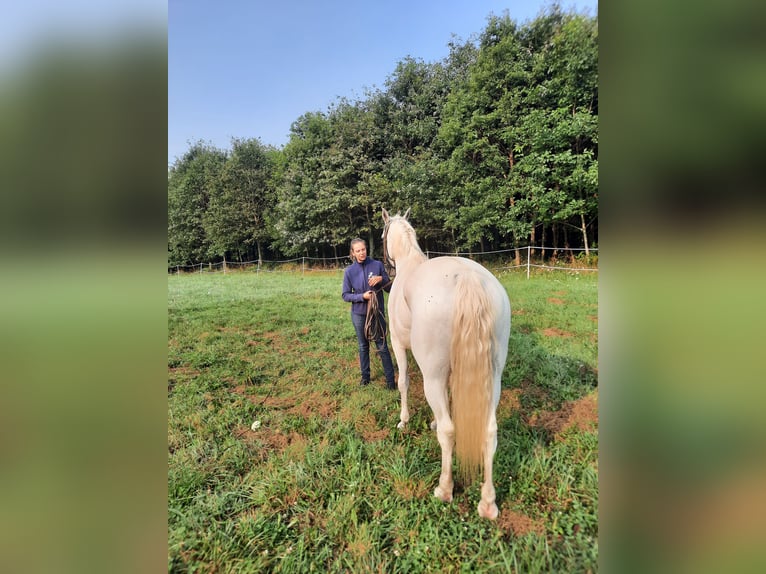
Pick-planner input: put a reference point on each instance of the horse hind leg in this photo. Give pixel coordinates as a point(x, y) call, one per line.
point(404, 383)
point(436, 395)
point(487, 507)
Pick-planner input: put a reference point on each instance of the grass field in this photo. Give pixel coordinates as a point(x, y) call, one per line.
point(326, 483)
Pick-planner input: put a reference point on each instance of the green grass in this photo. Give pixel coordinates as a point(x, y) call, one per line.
point(327, 483)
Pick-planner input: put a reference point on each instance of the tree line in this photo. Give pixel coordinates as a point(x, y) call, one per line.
point(494, 147)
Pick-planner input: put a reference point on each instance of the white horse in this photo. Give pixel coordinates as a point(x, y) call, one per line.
point(455, 317)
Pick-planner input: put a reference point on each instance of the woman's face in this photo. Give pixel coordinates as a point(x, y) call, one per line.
point(359, 252)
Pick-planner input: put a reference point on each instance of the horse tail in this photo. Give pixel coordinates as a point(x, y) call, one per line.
point(471, 372)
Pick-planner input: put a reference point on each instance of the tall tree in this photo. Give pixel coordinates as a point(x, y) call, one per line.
point(330, 193)
point(522, 129)
point(408, 115)
point(236, 219)
point(561, 131)
point(297, 220)
point(191, 180)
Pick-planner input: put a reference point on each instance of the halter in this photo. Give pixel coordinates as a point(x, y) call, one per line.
point(388, 261)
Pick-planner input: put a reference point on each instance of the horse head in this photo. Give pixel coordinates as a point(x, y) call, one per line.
point(387, 217)
point(388, 259)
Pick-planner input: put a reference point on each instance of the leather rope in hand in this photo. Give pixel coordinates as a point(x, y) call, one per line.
point(373, 326)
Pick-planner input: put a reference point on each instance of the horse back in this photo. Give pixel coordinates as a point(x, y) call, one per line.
point(430, 294)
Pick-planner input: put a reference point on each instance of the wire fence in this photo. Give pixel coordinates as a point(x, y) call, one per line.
point(574, 260)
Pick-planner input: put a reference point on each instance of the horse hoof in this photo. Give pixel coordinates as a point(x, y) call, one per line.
point(488, 510)
point(433, 425)
point(441, 495)
point(401, 425)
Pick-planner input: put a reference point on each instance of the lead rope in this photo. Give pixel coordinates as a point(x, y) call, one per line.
point(373, 326)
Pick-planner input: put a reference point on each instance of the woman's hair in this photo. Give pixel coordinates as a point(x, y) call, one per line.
point(354, 241)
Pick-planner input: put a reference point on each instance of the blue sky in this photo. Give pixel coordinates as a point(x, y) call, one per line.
point(250, 68)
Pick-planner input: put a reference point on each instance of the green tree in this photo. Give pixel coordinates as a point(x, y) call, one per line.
point(560, 133)
point(191, 180)
point(330, 192)
point(476, 132)
point(297, 221)
point(236, 220)
point(522, 131)
point(408, 116)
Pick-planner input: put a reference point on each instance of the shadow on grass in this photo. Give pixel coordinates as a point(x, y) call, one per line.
point(544, 395)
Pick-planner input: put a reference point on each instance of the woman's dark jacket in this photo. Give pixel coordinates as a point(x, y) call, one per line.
point(355, 279)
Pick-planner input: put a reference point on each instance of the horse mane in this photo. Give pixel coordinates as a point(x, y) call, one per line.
point(407, 241)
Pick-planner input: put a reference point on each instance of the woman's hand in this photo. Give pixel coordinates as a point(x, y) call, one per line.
point(374, 280)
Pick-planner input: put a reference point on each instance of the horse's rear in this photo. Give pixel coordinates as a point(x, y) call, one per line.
point(458, 333)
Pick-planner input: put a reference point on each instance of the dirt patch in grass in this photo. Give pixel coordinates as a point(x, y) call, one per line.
point(555, 301)
point(304, 404)
point(327, 355)
point(367, 427)
point(349, 364)
point(296, 450)
point(348, 414)
point(273, 341)
point(554, 332)
point(271, 441)
point(518, 524)
point(376, 435)
point(183, 372)
point(359, 547)
point(411, 488)
point(509, 403)
point(365, 424)
point(236, 330)
point(581, 414)
point(529, 389)
point(276, 343)
point(316, 403)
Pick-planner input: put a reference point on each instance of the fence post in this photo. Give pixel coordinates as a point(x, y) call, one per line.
point(303, 265)
point(528, 250)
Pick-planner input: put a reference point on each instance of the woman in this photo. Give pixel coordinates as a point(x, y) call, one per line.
point(363, 279)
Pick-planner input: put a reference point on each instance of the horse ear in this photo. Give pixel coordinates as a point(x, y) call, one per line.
point(406, 213)
point(386, 217)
